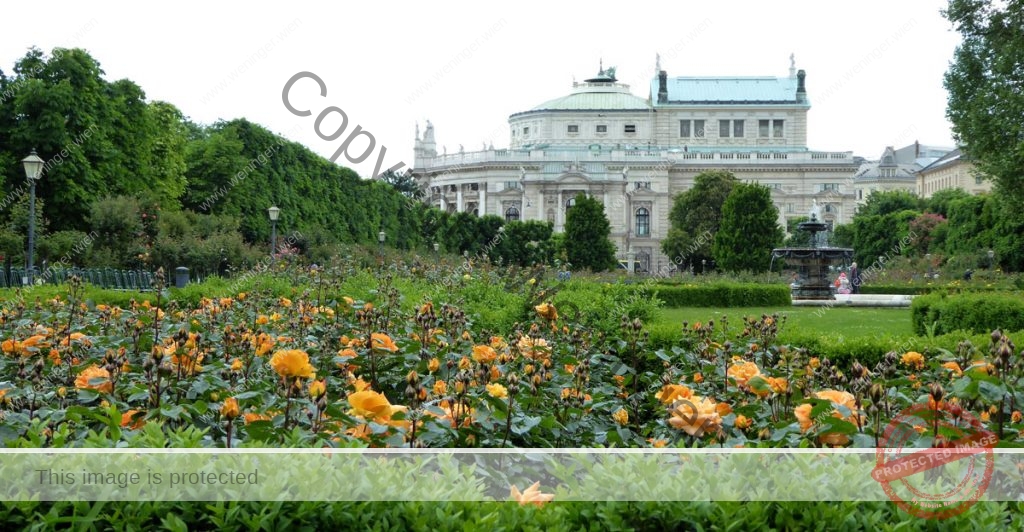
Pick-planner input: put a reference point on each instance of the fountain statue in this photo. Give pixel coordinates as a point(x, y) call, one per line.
point(813, 263)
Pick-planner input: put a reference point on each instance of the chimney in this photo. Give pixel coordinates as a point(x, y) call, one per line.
point(801, 88)
point(662, 86)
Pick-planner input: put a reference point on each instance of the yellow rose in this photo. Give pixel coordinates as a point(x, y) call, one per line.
point(697, 416)
point(292, 363)
point(742, 372)
point(497, 391)
point(229, 410)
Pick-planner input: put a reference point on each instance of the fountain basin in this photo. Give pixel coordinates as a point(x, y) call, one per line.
point(813, 272)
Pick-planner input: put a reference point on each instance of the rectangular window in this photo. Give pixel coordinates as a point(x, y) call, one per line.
point(602, 129)
point(978, 180)
point(777, 128)
point(763, 127)
point(574, 129)
point(698, 129)
point(684, 128)
point(727, 128)
point(630, 128)
point(526, 131)
point(828, 186)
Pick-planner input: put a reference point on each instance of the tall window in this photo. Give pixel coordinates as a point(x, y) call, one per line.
point(691, 129)
point(512, 214)
point(770, 128)
point(727, 128)
point(643, 222)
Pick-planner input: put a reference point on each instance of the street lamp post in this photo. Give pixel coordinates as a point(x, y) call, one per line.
point(381, 236)
point(703, 266)
point(437, 250)
point(33, 169)
point(991, 258)
point(928, 258)
point(273, 213)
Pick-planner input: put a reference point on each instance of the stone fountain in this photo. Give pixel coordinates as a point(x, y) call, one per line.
point(812, 264)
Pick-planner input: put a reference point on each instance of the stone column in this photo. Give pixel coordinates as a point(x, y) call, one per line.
point(630, 259)
point(541, 206)
point(458, 199)
point(483, 198)
point(560, 213)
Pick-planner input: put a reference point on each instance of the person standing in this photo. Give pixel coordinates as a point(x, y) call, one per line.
point(855, 279)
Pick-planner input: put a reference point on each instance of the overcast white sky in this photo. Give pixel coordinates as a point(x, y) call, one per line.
point(874, 68)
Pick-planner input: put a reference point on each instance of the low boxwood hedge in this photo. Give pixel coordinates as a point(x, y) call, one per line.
point(979, 313)
point(724, 295)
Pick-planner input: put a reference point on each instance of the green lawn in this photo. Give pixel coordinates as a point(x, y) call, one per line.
point(851, 322)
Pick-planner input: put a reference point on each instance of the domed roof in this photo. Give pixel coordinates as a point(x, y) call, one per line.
point(599, 93)
point(596, 96)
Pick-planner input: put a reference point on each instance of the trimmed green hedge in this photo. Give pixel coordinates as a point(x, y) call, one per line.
point(978, 313)
point(431, 516)
point(913, 290)
point(98, 296)
point(842, 350)
point(724, 295)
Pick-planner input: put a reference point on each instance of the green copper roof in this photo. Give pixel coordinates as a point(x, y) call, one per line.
point(729, 90)
point(596, 97)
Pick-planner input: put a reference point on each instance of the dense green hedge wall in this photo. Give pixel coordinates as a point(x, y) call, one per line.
point(724, 295)
point(979, 313)
point(432, 516)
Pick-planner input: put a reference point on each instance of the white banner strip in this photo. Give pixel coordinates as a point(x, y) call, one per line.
point(489, 474)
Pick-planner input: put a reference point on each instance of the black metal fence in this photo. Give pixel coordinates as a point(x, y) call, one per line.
point(101, 277)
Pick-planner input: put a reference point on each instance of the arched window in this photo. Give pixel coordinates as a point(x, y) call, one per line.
point(643, 222)
point(570, 203)
point(512, 214)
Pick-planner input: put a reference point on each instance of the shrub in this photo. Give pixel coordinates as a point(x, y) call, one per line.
point(979, 313)
point(724, 295)
point(602, 305)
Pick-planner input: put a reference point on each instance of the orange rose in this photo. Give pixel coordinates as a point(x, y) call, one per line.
point(94, 378)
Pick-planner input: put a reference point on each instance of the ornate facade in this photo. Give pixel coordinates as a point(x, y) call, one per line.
point(634, 154)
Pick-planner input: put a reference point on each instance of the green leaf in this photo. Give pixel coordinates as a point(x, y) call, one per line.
point(990, 392)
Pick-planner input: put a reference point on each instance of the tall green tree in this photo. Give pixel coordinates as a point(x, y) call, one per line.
point(890, 201)
point(971, 220)
point(403, 182)
point(939, 202)
point(877, 236)
point(695, 217)
point(749, 229)
point(986, 101)
point(586, 236)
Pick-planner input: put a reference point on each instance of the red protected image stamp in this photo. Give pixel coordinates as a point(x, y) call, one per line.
point(940, 481)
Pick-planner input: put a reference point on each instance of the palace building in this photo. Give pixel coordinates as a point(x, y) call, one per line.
point(634, 154)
